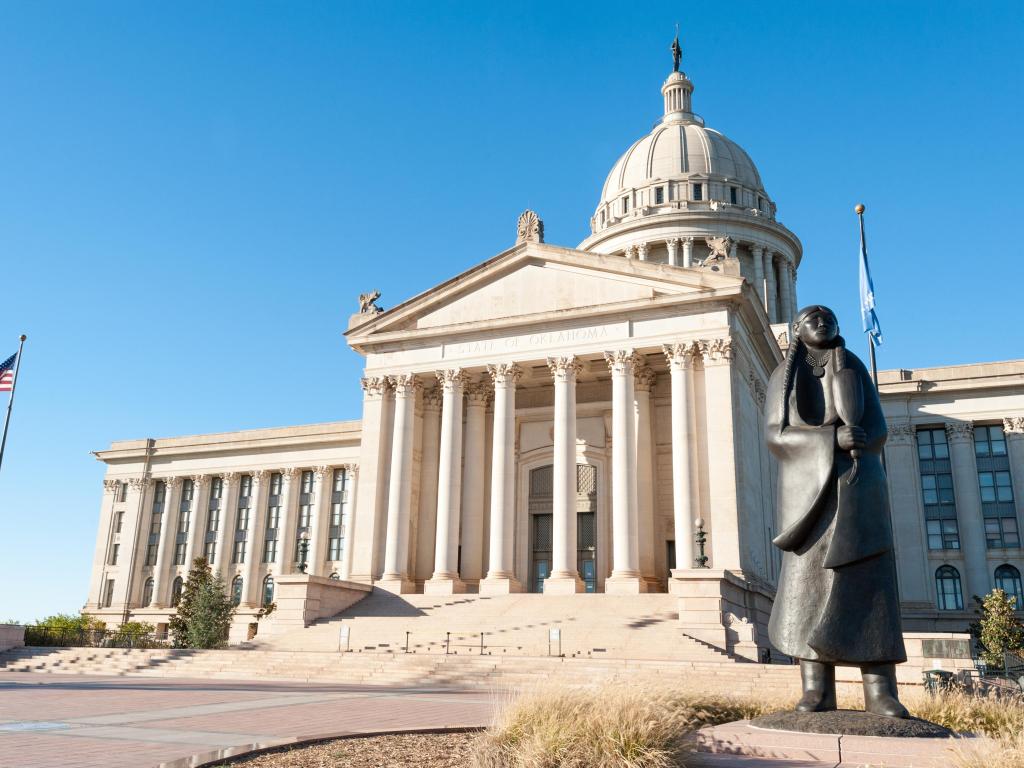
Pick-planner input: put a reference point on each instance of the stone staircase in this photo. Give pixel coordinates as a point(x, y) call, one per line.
point(400, 669)
point(590, 626)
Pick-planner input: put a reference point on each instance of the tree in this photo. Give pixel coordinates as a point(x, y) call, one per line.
point(204, 613)
point(999, 631)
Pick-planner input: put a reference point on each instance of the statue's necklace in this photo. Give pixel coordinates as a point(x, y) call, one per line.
point(818, 366)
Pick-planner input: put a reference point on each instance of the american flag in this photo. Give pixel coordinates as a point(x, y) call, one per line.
point(7, 373)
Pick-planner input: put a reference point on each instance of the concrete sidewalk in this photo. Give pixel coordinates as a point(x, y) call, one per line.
point(76, 721)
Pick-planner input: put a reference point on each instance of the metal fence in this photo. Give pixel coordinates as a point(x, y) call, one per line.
point(93, 638)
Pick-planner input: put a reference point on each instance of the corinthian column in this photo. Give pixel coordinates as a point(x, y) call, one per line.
point(564, 577)
point(645, 380)
point(197, 517)
point(323, 483)
point(680, 363)
point(165, 549)
point(625, 578)
point(1013, 428)
point(427, 512)
point(757, 253)
point(226, 521)
point(687, 252)
point(977, 581)
point(396, 548)
point(673, 251)
point(785, 275)
point(254, 537)
point(472, 536)
point(500, 576)
point(445, 580)
point(769, 288)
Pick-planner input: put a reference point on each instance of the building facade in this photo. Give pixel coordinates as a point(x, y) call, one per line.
point(561, 420)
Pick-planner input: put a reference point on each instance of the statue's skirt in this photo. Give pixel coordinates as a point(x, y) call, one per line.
point(848, 615)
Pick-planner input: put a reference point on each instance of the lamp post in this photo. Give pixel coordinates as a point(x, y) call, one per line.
point(701, 538)
point(303, 551)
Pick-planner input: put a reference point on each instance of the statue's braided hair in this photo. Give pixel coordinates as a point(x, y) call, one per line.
point(797, 350)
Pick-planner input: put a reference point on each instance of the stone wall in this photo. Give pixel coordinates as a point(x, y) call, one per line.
point(11, 636)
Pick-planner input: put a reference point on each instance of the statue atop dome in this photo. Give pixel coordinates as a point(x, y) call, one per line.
point(677, 52)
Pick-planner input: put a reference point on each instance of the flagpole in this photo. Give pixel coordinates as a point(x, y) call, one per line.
point(10, 400)
point(871, 339)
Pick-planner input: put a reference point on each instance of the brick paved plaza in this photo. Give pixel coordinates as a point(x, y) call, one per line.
point(74, 721)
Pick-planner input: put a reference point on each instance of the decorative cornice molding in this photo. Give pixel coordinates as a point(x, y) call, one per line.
point(1013, 426)
point(959, 431)
point(374, 386)
point(680, 356)
point(505, 374)
point(645, 378)
point(622, 361)
point(900, 433)
point(565, 368)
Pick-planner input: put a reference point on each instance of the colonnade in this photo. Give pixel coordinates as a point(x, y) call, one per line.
point(189, 523)
point(774, 275)
point(456, 478)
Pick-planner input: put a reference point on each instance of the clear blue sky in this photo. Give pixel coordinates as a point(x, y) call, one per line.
point(192, 194)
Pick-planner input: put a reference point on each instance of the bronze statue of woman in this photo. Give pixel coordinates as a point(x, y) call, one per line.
point(837, 601)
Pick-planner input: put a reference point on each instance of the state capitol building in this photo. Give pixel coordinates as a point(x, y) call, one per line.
point(568, 420)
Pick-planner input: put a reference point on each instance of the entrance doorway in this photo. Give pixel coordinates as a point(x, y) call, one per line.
point(541, 521)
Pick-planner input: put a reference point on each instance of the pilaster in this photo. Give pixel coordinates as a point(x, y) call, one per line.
point(723, 526)
point(323, 480)
point(907, 515)
point(1013, 428)
point(289, 513)
point(473, 469)
point(197, 518)
point(396, 559)
point(99, 558)
point(977, 581)
point(680, 358)
point(427, 511)
point(645, 473)
point(165, 549)
point(254, 538)
point(226, 523)
point(371, 500)
point(625, 576)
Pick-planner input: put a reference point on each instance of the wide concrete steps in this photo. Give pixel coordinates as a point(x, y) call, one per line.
point(589, 626)
point(394, 669)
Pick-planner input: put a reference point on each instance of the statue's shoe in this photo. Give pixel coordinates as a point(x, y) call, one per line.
point(885, 705)
point(817, 701)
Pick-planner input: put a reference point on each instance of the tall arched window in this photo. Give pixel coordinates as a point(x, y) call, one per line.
point(268, 590)
point(176, 587)
point(1008, 580)
point(236, 591)
point(147, 592)
point(947, 589)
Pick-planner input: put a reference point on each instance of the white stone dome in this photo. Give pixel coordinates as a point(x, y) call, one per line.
point(677, 150)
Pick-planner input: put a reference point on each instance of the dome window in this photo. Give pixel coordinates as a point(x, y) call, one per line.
point(733, 195)
point(625, 204)
point(698, 191)
point(659, 195)
point(602, 218)
point(760, 203)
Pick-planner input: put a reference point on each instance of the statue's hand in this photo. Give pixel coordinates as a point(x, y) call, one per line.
point(850, 437)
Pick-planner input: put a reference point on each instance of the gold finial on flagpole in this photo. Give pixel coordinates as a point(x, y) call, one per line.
point(859, 208)
point(23, 337)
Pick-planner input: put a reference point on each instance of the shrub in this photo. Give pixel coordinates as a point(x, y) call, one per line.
point(999, 631)
point(69, 622)
point(204, 613)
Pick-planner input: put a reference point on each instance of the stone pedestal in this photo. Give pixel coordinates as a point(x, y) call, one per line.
point(437, 586)
point(302, 598)
point(724, 609)
point(625, 585)
point(397, 586)
point(564, 585)
point(500, 586)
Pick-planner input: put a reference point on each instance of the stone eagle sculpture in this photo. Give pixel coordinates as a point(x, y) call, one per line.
point(719, 249)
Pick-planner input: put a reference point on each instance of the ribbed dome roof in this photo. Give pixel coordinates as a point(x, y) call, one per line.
point(675, 150)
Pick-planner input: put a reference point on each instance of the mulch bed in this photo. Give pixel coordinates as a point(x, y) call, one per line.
point(437, 750)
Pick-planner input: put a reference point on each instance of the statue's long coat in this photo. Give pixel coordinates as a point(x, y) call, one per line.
point(837, 599)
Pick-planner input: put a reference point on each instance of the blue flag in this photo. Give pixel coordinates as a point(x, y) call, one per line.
point(869, 320)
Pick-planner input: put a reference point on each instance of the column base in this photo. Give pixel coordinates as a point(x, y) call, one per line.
point(500, 585)
point(398, 585)
point(444, 586)
point(564, 584)
point(624, 585)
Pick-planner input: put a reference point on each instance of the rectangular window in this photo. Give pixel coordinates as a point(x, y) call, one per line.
point(336, 530)
point(937, 489)
point(659, 195)
point(114, 552)
point(155, 522)
point(118, 522)
point(733, 195)
point(179, 553)
point(108, 594)
point(305, 509)
point(698, 191)
point(995, 487)
point(270, 550)
point(760, 203)
point(625, 204)
point(122, 492)
point(273, 519)
point(210, 552)
point(238, 554)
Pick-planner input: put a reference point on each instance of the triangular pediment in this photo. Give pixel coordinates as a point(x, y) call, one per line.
point(536, 282)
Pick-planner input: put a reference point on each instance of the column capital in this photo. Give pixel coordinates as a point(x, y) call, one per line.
point(641, 251)
point(505, 374)
point(717, 350)
point(432, 399)
point(757, 249)
point(900, 433)
point(322, 471)
point(477, 393)
point(452, 379)
point(170, 482)
point(405, 384)
point(686, 240)
point(352, 469)
point(199, 481)
point(645, 378)
point(1013, 426)
point(565, 368)
point(288, 474)
point(374, 387)
point(111, 486)
point(138, 483)
point(681, 354)
point(258, 476)
point(227, 478)
point(672, 243)
point(622, 361)
point(959, 431)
